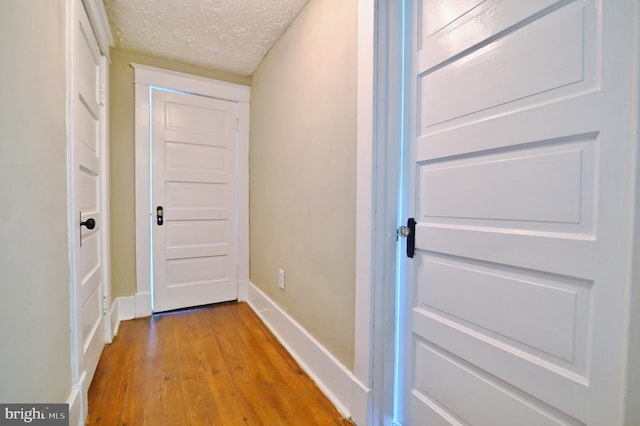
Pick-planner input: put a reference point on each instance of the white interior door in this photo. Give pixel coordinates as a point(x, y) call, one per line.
point(194, 200)
point(521, 180)
point(88, 217)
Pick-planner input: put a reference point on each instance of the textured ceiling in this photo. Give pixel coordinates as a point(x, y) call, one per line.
point(229, 35)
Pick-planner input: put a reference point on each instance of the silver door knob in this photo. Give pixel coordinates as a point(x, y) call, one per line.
point(404, 231)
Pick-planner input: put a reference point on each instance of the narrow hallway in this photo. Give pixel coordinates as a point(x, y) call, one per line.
point(214, 365)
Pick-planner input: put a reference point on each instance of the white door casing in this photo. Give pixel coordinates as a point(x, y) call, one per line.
point(145, 79)
point(87, 203)
point(522, 169)
point(194, 191)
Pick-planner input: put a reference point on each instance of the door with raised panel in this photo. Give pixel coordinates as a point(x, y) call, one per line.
point(194, 200)
point(515, 299)
point(87, 110)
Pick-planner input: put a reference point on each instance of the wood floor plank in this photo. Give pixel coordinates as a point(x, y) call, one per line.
point(142, 376)
point(173, 402)
point(233, 407)
point(215, 365)
point(244, 362)
point(212, 378)
point(285, 379)
point(192, 363)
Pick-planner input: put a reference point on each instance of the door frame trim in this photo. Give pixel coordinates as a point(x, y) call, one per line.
point(97, 15)
point(379, 129)
point(145, 77)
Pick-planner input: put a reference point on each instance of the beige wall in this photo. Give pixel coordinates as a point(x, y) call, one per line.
point(123, 255)
point(34, 299)
point(302, 173)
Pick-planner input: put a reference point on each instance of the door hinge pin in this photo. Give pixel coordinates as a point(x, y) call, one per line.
point(105, 304)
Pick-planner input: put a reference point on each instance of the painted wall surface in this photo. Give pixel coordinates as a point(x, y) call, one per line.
point(302, 173)
point(122, 140)
point(35, 354)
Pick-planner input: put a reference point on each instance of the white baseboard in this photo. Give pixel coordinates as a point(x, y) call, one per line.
point(122, 309)
point(126, 308)
point(360, 403)
point(78, 402)
point(110, 320)
point(243, 290)
point(136, 306)
point(142, 305)
point(75, 410)
point(343, 389)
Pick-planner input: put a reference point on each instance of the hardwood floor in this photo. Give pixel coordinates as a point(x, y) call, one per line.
point(216, 365)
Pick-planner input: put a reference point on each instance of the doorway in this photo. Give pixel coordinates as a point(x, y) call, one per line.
point(174, 84)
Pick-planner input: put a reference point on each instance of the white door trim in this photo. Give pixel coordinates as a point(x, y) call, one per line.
point(632, 391)
point(146, 76)
point(106, 197)
point(100, 23)
point(380, 42)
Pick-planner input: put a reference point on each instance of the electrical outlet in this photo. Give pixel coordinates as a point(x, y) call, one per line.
point(281, 278)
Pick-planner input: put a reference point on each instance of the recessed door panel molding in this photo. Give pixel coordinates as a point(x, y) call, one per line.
point(196, 195)
point(201, 214)
point(442, 377)
point(537, 376)
point(559, 254)
point(87, 130)
point(92, 303)
point(184, 157)
point(91, 254)
point(542, 315)
point(200, 270)
point(549, 58)
point(201, 233)
point(88, 184)
point(196, 119)
point(447, 28)
point(436, 15)
point(548, 186)
point(87, 66)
